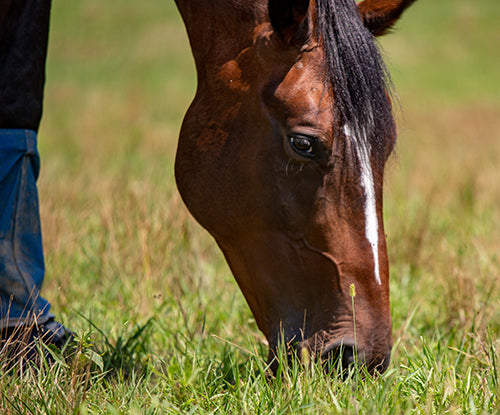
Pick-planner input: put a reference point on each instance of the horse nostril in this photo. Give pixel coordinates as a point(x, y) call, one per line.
point(339, 357)
point(347, 355)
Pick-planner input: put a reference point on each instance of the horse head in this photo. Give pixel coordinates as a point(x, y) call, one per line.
point(281, 158)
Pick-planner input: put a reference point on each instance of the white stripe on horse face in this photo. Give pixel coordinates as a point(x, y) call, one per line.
point(371, 221)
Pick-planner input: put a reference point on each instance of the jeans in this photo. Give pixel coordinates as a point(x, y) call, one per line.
point(22, 266)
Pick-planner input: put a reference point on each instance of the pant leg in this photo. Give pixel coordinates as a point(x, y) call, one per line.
point(21, 255)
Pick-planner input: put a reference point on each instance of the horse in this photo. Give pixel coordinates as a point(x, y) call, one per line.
point(281, 159)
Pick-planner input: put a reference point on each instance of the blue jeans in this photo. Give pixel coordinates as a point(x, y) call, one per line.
point(22, 266)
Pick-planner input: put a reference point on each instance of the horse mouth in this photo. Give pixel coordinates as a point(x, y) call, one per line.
point(343, 355)
point(338, 358)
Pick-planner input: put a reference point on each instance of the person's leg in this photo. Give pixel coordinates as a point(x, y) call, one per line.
point(21, 254)
point(24, 313)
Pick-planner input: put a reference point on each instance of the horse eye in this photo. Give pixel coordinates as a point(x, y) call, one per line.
point(303, 145)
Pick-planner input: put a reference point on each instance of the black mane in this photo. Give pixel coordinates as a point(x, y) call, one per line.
point(357, 74)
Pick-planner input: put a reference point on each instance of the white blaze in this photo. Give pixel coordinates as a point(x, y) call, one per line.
point(371, 221)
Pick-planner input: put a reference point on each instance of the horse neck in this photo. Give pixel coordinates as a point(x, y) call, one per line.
point(219, 30)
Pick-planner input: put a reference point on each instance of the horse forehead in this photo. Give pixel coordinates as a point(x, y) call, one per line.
point(303, 91)
point(301, 88)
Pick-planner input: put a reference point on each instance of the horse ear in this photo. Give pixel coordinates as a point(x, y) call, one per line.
point(380, 15)
point(287, 18)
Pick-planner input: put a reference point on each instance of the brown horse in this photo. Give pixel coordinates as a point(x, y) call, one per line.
point(281, 158)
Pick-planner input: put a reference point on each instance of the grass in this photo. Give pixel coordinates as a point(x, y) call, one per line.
point(163, 326)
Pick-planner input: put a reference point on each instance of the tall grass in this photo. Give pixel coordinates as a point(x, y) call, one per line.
point(162, 325)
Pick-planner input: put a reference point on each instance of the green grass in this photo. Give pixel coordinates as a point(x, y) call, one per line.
point(147, 289)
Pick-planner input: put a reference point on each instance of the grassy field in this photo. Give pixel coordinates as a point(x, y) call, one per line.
point(163, 326)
